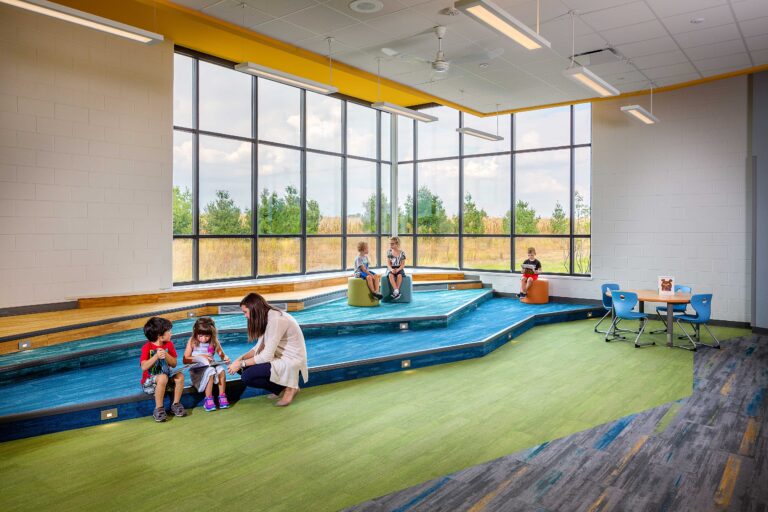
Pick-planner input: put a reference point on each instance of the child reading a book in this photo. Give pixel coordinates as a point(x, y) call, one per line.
point(531, 268)
point(395, 266)
point(158, 356)
point(363, 272)
point(205, 372)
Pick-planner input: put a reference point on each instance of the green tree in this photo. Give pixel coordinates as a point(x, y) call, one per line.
point(222, 217)
point(313, 217)
point(558, 223)
point(473, 218)
point(182, 211)
point(369, 214)
point(526, 221)
point(405, 221)
point(282, 215)
point(506, 223)
point(432, 215)
point(583, 214)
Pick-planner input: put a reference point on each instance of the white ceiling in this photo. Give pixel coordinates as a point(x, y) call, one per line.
point(655, 41)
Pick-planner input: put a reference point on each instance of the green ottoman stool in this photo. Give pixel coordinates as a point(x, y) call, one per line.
point(406, 289)
point(358, 293)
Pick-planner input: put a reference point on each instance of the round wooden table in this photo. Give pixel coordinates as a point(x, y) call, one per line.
point(644, 296)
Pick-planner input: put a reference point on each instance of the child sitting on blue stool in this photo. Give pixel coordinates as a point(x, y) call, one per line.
point(363, 272)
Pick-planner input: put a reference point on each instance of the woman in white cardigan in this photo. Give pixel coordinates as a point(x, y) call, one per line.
point(280, 354)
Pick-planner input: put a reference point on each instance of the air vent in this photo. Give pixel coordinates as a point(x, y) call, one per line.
point(230, 309)
point(366, 6)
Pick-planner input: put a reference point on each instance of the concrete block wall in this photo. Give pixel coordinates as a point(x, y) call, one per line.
point(671, 199)
point(85, 162)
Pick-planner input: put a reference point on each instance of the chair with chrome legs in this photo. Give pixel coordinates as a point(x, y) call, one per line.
point(702, 305)
point(676, 308)
point(607, 303)
point(623, 305)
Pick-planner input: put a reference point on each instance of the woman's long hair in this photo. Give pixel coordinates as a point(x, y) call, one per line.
point(258, 309)
point(206, 326)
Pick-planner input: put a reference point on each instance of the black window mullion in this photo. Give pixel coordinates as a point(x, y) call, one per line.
point(415, 213)
point(572, 186)
point(303, 181)
point(196, 170)
point(512, 170)
point(461, 192)
point(378, 188)
point(344, 185)
point(254, 179)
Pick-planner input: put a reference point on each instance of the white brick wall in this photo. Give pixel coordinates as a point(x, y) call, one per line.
point(85, 162)
point(671, 198)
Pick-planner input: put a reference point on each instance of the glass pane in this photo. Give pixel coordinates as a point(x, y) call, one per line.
point(386, 213)
point(495, 125)
point(487, 253)
point(225, 186)
point(182, 90)
point(221, 258)
point(361, 130)
point(323, 254)
point(582, 123)
point(440, 138)
point(582, 257)
point(182, 183)
point(406, 244)
point(438, 251)
point(386, 119)
point(404, 138)
point(405, 198)
point(553, 253)
point(542, 188)
point(323, 122)
point(582, 199)
point(279, 113)
point(279, 191)
point(279, 256)
point(352, 250)
point(361, 196)
point(182, 260)
point(486, 195)
point(438, 204)
point(545, 128)
point(225, 100)
point(323, 194)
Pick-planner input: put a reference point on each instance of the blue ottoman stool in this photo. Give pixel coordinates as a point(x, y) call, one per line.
point(406, 289)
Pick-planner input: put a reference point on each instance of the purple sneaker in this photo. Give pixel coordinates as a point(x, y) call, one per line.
point(223, 402)
point(208, 404)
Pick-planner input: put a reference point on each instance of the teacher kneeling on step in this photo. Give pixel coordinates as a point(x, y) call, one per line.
point(280, 354)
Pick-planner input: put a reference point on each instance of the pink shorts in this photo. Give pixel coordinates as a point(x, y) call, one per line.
point(532, 276)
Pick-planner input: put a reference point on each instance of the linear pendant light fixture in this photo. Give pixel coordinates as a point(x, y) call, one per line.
point(584, 76)
point(641, 113)
point(397, 109)
point(481, 134)
point(285, 78)
point(501, 21)
point(86, 20)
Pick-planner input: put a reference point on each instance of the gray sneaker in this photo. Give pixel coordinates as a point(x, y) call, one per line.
point(159, 414)
point(178, 410)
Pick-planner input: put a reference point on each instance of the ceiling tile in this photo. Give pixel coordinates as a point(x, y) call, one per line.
point(196, 4)
point(320, 19)
point(708, 36)
point(677, 79)
point(721, 71)
point(666, 71)
point(233, 12)
point(621, 16)
point(738, 61)
point(757, 43)
point(284, 31)
point(760, 57)
point(633, 33)
point(399, 25)
point(754, 27)
point(623, 78)
point(585, 6)
point(647, 47)
point(281, 8)
point(660, 59)
point(342, 6)
point(612, 68)
point(750, 9)
point(665, 8)
point(709, 51)
point(712, 18)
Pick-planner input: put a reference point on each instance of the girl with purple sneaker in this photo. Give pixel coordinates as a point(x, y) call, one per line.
point(200, 352)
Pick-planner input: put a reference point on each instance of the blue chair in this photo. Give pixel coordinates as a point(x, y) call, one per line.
point(702, 305)
point(623, 305)
point(607, 303)
point(676, 308)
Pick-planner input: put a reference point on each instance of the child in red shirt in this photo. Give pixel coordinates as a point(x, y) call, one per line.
point(158, 356)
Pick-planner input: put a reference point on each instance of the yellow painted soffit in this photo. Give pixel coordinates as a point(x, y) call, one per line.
point(198, 31)
point(193, 29)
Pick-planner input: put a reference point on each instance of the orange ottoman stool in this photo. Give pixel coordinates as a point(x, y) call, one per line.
point(538, 293)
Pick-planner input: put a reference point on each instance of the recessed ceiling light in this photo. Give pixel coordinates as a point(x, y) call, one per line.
point(696, 21)
point(483, 64)
point(366, 6)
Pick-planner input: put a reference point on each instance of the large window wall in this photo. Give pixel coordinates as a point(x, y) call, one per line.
point(481, 204)
point(270, 179)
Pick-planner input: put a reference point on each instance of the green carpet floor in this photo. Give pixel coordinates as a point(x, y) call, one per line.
point(342, 444)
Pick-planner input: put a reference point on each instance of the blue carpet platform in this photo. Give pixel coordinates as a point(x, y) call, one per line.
point(68, 385)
